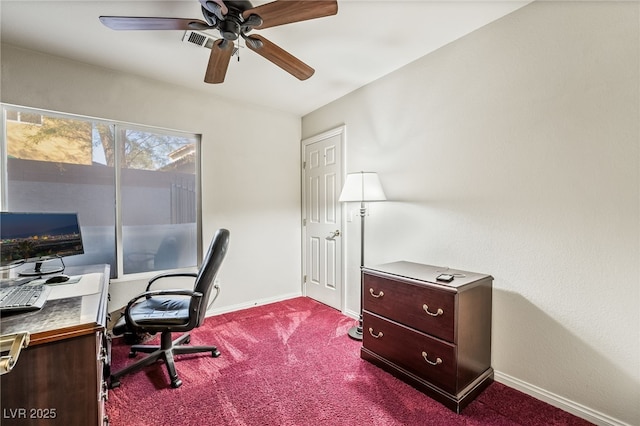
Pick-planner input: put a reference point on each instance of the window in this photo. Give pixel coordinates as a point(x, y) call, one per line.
point(135, 188)
point(158, 201)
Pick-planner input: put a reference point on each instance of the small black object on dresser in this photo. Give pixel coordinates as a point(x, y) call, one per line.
point(433, 335)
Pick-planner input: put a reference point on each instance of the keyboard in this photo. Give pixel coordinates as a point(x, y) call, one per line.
point(23, 298)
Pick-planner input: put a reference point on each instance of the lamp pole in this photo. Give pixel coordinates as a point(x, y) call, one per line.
point(355, 332)
point(362, 187)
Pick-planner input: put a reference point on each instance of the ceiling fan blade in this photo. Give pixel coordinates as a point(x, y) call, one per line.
point(147, 23)
point(280, 57)
point(282, 12)
point(221, 52)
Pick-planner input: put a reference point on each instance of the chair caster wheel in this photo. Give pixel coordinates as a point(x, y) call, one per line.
point(132, 354)
point(215, 354)
point(187, 340)
point(176, 383)
point(114, 384)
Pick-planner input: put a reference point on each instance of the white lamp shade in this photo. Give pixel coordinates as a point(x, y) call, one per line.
point(362, 186)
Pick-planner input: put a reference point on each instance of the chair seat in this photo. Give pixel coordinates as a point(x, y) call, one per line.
point(155, 311)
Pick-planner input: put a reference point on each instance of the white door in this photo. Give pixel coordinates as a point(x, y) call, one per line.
point(322, 218)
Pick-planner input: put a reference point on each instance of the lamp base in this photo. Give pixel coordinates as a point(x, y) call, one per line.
point(355, 332)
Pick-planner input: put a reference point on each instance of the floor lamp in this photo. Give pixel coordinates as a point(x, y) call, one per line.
point(362, 187)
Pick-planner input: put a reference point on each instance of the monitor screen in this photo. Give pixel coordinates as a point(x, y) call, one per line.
point(36, 237)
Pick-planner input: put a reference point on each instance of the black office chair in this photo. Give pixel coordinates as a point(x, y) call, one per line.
point(168, 311)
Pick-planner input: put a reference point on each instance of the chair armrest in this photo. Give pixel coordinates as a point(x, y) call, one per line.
point(170, 275)
point(194, 295)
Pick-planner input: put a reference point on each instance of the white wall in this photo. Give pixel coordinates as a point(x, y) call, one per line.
point(514, 151)
point(250, 164)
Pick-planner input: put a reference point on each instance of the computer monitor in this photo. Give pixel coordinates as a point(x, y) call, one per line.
point(38, 238)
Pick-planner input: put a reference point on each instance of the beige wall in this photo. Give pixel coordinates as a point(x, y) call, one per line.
point(514, 151)
point(250, 164)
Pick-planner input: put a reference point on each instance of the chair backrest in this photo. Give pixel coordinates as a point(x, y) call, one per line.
point(209, 269)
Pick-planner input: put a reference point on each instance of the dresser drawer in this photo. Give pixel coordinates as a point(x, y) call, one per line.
point(427, 309)
point(422, 355)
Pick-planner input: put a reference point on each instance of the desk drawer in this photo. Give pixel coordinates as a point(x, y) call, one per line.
point(422, 355)
point(426, 309)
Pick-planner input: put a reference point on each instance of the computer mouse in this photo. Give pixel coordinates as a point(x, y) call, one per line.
point(57, 279)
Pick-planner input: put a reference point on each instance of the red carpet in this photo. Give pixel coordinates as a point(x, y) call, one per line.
point(291, 363)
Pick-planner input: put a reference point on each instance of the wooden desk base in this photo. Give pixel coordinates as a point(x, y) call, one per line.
point(59, 377)
point(50, 385)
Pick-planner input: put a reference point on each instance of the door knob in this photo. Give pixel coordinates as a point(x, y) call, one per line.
point(333, 235)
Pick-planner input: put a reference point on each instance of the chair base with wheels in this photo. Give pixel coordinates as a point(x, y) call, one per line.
point(165, 352)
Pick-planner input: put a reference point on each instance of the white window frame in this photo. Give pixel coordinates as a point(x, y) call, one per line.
point(119, 125)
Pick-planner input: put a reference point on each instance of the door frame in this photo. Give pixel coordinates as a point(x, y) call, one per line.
point(342, 132)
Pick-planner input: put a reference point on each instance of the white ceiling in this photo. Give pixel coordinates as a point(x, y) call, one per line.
point(364, 41)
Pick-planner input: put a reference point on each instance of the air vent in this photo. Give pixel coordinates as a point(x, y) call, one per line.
point(198, 38)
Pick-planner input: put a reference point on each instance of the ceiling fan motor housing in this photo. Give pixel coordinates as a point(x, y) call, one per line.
point(229, 29)
point(240, 5)
point(231, 26)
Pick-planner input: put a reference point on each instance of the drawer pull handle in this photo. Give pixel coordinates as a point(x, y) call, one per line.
point(376, 295)
point(436, 362)
point(438, 312)
point(377, 336)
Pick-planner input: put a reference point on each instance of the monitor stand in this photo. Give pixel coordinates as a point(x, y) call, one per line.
point(39, 269)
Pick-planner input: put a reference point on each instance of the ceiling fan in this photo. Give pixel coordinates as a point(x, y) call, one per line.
point(235, 19)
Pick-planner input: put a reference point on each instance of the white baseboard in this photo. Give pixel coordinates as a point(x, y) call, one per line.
point(251, 304)
point(558, 401)
point(352, 314)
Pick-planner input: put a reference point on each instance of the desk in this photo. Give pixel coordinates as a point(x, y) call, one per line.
point(59, 377)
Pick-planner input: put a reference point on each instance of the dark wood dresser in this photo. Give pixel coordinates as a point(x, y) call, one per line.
point(434, 335)
point(59, 379)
